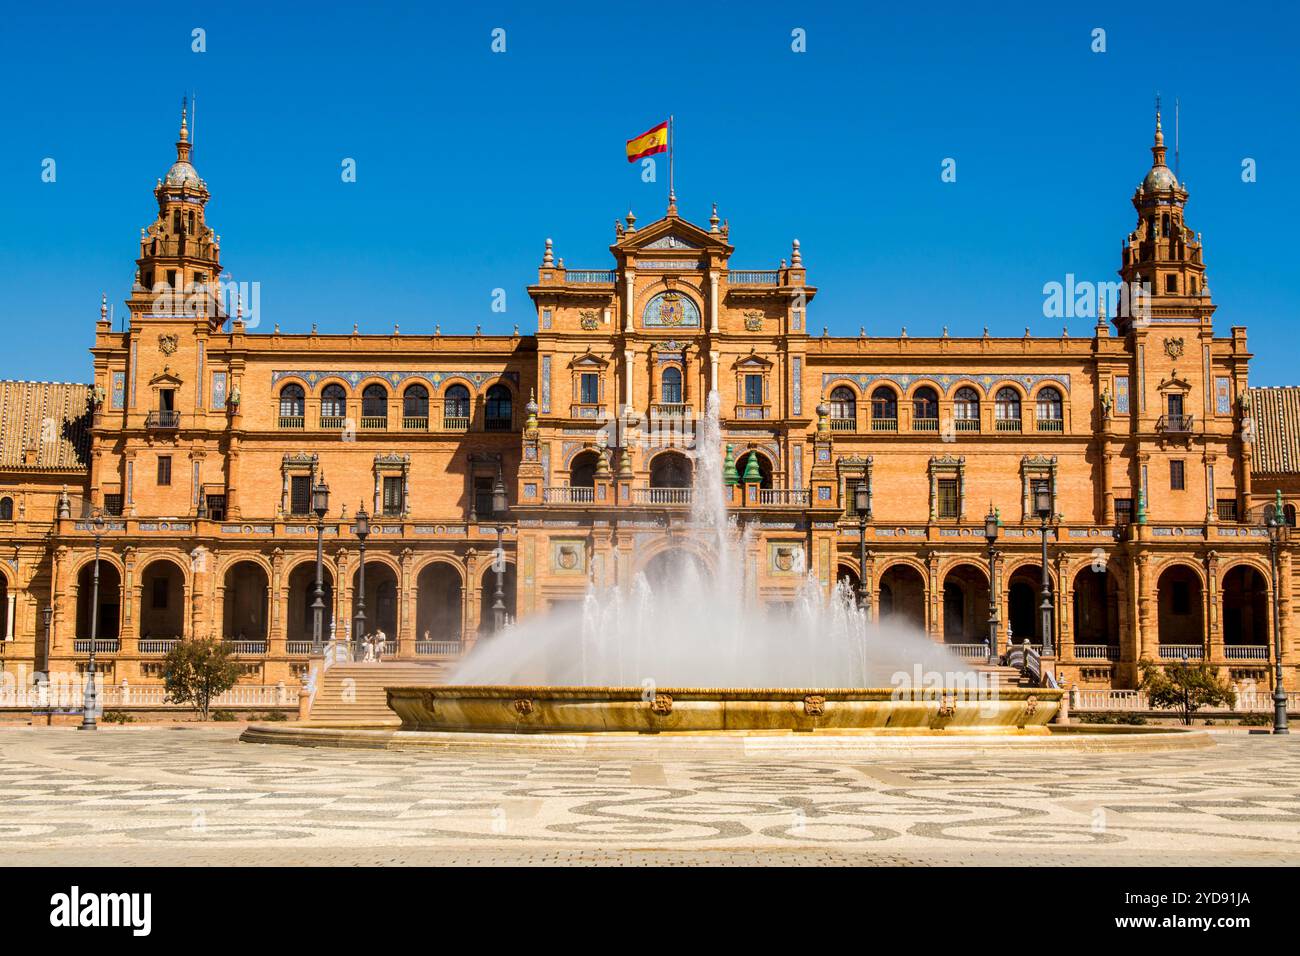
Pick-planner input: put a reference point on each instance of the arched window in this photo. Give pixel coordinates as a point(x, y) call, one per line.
point(670, 386)
point(1006, 409)
point(1048, 408)
point(764, 468)
point(670, 470)
point(6, 509)
point(333, 405)
point(415, 402)
point(455, 406)
point(844, 406)
point(966, 405)
point(582, 473)
point(884, 404)
point(293, 405)
point(497, 409)
point(924, 405)
point(374, 406)
point(1288, 513)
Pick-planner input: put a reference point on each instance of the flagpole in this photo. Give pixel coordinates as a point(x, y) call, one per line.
point(672, 192)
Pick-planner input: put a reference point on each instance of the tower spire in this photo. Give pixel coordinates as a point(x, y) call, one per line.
point(183, 139)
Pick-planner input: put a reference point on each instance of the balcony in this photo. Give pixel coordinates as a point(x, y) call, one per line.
point(332, 422)
point(438, 648)
point(1182, 652)
point(1050, 425)
point(661, 496)
point(590, 276)
point(925, 424)
point(162, 420)
point(415, 423)
point(103, 645)
point(752, 411)
point(784, 497)
point(884, 424)
point(844, 424)
point(566, 495)
point(966, 424)
point(157, 645)
point(1174, 424)
point(455, 423)
point(1096, 652)
point(374, 422)
point(670, 410)
point(240, 648)
point(1245, 652)
point(298, 648)
point(293, 421)
point(1008, 425)
point(585, 410)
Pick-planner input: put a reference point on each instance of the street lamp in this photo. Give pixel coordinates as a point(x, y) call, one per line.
point(1043, 505)
point(499, 506)
point(1275, 519)
point(991, 536)
point(362, 530)
point(862, 505)
point(320, 503)
point(90, 699)
point(47, 618)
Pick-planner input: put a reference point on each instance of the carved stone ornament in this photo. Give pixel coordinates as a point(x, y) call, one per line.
point(1031, 705)
point(948, 706)
point(168, 343)
point(523, 706)
point(590, 319)
point(753, 321)
point(1174, 347)
point(814, 705)
point(662, 704)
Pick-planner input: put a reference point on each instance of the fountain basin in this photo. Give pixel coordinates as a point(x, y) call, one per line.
point(499, 709)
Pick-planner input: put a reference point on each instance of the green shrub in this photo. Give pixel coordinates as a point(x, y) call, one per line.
point(1257, 719)
point(224, 715)
point(117, 717)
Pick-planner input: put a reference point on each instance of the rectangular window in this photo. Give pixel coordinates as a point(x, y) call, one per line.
point(1177, 476)
point(753, 389)
point(171, 278)
point(589, 388)
point(217, 507)
point(167, 400)
point(483, 497)
point(160, 593)
point(947, 491)
point(164, 470)
point(1175, 406)
point(300, 494)
point(1123, 510)
point(113, 504)
point(1226, 509)
point(393, 496)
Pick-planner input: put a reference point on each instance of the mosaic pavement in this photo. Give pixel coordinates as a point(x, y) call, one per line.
point(162, 795)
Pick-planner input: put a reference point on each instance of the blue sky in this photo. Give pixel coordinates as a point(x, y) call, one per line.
point(467, 160)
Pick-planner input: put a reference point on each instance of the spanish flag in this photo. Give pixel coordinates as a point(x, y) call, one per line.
point(648, 143)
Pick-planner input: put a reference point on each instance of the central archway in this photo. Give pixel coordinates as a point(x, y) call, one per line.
point(438, 603)
point(108, 625)
point(1178, 599)
point(162, 600)
point(381, 599)
point(302, 595)
point(1245, 606)
point(902, 596)
point(965, 605)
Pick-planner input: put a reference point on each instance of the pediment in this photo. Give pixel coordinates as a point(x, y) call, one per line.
point(752, 361)
point(672, 234)
point(588, 360)
point(1174, 383)
point(166, 377)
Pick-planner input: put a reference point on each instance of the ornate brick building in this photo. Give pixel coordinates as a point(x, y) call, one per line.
point(199, 441)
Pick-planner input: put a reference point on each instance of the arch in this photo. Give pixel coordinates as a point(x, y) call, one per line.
point(1096, 604)
point(1024, 601)
point(293, 401)
point(245, 608)
point(670, 469)
point(848, 575)
point(415, 401)
point(582, 470)
point(380, 598)
point(1049, 404)
point(4, 607)
point(1245, 597)
point(884, 403)
point(374, 401)
point(109, 625)
point(162, 599)
point(487, 597)
point(670, 385)
point(497, 408)
point(1288, 514)
point(671, 564)
point(901, 595)
point(764, 467)
point(844, 403)
point(333, 401)
point(439, 602)
point(6, 508)
point(671, 308)
point(1006, 403)
point(965, 604)
point(299, 616)
point(966, 404)
point(956, 386)
point(925, 404)
point(1181, 618)
point(455, 401)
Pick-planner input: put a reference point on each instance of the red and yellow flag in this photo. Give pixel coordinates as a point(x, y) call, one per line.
point(648, 143)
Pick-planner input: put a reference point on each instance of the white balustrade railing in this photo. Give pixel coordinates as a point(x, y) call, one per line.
point(81, 645)
point(969, 652)
point(245, 647)
point(797, 497)
point(661, 496)
point(566, 495)
point(1093, 699)
point(1096, 652)
point(1181, 652)
point(438, 648)
point(297, 647)
point(157, 645)
point(1245, 652)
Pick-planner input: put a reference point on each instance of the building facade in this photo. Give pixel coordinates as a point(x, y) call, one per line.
point(199, 440)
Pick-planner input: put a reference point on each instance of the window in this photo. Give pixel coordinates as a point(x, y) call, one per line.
point(946, 489)
point(1226, 509)
point(483, 497)
point(293, 402)
point(670, 386)
point(496, 409)
point(159, 596)
point(1006, 405)
point(393, 495)
point(589, 388)
point(1049, 405)
point(300, 494)
point(166, 400)
point(1171, 283)
point(1175, 406)
point(217, 507)
point(966, 405)
point(455, 402)
point(333, 403)
point(1123, 510)
point(176, 228)
point(1288, 515)
point(415, 402)
point(1177, 476)
point(164, 470)
point(113, 504)
point(374, 403)
point(753, 389)
point(925, 404)
point(844, 404)
point(884, 403)
point(6, 509)
point(171, 278)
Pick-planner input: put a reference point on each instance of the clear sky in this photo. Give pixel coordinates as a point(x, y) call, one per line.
point(468, 159)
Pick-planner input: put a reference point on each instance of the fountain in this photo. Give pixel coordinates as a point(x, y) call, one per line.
point(688, 649)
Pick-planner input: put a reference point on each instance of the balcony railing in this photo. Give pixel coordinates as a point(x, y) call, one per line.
point(1008, 425)
point(784, 497)
point(884, 424)
point(969, 652)
point(844, 424)
point(567, 495)
point(1050, 425)
point(1174, 424)
point(438, 648)
point(585, 410)
point(455, 423)
point(966, 424)
point(103, 645)
point(925, 424)
point(332, 421)
point(751, 411)
point(157, 645)
point(374, 422)
point(1245, 652)
point(661, 496)
point(589, 276)
point(491, 424)
point(160, 419)
point(670, 409)
point(1182, 652)
point(754, 277)
point(415, 423)
point(1096, 652)
point(245, 647)
point(292, 421)
point(298, 648)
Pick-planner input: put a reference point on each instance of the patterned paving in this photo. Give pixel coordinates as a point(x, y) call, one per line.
point(165, 795)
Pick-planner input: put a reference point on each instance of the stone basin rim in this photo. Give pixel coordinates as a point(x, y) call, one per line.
point(616, 693)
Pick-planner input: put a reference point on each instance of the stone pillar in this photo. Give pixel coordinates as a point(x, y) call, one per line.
point(933, 597)
point(409, 596)
point(629, 366)
point(1147, 611)
point(1214, 607)
point(630, 298)
point(1064, 607)
point(275, 638)
point(713, 302)
point(130, 604)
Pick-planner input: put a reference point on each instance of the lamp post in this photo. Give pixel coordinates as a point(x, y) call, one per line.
point(320, 503)
point(1275, 519)
point(499, 506)
point(47, 618)
point(991, 536)
point(862, 505)
point(362, 530)
point(89, 703)
point(1043, 505)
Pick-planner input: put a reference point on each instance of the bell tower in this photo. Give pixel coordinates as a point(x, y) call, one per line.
point(179, 266)
point(1162, 256)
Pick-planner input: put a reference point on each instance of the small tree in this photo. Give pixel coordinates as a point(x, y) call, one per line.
point(1187, 686)
point(196, 671)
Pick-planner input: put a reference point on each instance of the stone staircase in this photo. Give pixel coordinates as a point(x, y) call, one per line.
point(1006, 676)
point(352, 693)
